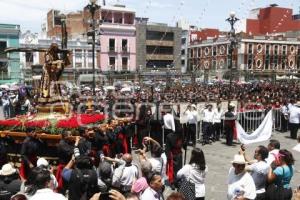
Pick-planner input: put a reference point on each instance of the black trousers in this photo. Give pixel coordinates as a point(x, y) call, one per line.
point(191, 133)
point(229, 135)
point(217, 131)
point(293, 130)
point(207, 131)
point(261, 196)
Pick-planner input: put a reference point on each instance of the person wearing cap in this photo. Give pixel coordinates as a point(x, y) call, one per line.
point(10, 182)
point(43, 163)
point(240, 182)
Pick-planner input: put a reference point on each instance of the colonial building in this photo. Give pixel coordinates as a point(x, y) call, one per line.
point(9, 63)
point(117, 39)
point(254, 55)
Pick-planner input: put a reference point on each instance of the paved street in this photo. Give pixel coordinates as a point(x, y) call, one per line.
point(218, 158)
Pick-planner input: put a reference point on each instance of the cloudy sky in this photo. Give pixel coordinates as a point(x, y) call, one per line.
point(203, 13)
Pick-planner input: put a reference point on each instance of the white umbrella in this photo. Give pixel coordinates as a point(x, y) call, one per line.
point(4, 87)
point(86, 88)
point(126, 89)
point(110, 87)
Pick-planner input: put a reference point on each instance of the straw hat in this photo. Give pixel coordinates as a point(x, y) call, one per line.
point(239, 159)
point(7, 170)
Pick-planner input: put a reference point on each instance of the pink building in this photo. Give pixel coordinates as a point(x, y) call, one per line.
point(117, 39)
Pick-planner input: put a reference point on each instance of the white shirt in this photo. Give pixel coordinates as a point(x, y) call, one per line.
point(192, 174)
point(271, 156)
point(157, 163)
point(294, 114)
point(191, 116)
point(240, 184)
point(169, 122)
point(217, 116)
point(125, 175)
point(208, 116)
point(259, 172)
point(47, 194)
point(150, 194)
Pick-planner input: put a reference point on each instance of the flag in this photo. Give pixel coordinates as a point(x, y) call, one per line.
point(262, 133)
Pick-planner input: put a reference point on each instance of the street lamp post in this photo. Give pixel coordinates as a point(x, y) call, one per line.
point(92, 7)
point(232, 38)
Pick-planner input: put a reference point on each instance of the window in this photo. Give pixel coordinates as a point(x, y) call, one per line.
point(199, 52)
point(183, 41)
point(124, 63)
point(183, 52)
point(3, 46)
point(267, 63)
point(250, 48)
point(284, 50)
point(29, 57)
point(268, 49)
point(112, 45)
point(124, 45)
point(112, 62)
point(214, 51)
point(276, 50)
point(182, 62)
point(284, 62)
point(192, 53)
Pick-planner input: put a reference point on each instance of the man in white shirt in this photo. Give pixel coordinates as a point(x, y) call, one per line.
point(294, 119)
point(154, 191)
point(218, 113)
point(125, 174)
point(207, 125)
point(169, 123)
point(240, 182)
point(191, 115)
point(259, 171)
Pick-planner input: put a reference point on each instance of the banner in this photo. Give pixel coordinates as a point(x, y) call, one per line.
point(262, 133)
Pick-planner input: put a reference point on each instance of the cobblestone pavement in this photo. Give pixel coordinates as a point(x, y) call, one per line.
point(219, 156)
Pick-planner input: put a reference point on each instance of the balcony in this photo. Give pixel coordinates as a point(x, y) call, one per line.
point(112, 50)
point(159, 57)
point(125, 49)
point(159, 43)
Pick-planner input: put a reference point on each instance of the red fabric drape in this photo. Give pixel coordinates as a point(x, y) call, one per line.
point(170, 168)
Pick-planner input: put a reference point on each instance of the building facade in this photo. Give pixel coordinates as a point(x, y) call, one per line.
point(254, 56)
point(159, 46)
point(117, 39)
point(9, 63)
point(272, 19)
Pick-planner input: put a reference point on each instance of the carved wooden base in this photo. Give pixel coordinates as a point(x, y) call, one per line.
point(54, 107)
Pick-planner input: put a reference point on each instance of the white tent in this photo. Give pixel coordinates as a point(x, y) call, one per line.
point(281, 77)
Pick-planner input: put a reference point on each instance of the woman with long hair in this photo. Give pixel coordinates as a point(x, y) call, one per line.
point(281, 176)
point(195, 172)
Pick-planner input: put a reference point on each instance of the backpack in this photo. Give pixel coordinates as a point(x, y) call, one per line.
point(4, 194)
point(88, 183)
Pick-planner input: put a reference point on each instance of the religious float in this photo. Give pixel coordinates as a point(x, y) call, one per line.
point(53, 114)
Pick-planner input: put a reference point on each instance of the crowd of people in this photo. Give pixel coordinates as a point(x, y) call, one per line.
point(84, 172)
point(98, 163)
